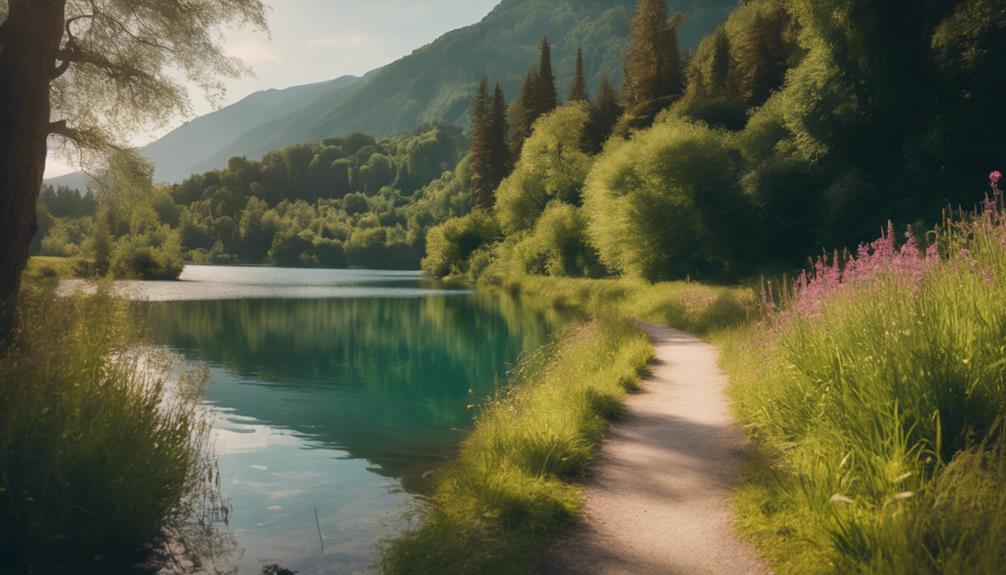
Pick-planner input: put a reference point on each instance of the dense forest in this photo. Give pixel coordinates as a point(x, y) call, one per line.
point(347, 201)
point(762, 146)
point(794, 126)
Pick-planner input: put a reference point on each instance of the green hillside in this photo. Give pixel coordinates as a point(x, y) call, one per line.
point(436, 82)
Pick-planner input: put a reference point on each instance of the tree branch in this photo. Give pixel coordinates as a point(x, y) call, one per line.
point(115, 70)
point(61, 129)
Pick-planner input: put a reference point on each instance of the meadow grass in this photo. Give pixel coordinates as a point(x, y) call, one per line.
point(877, 406)
point(98, 464)
point(516, 480)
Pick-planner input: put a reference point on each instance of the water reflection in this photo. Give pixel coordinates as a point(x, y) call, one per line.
point(339, 406)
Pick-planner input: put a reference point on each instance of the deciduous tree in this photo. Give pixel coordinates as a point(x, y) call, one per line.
point(87, 74)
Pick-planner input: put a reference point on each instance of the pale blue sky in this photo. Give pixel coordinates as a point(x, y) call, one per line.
point(315, 40)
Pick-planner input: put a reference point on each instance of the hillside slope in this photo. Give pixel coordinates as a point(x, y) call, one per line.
point(434, 83)
point(177, 154)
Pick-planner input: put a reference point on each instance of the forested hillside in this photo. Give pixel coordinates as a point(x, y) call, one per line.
point(797, 126)
point(345, 201)
point(433, 84)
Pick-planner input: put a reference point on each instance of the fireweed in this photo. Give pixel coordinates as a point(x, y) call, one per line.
point(876, 395)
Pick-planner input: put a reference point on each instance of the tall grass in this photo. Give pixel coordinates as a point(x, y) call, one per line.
point(698, 308)
point(877, 397)
point(515, 480)
point(97, 464)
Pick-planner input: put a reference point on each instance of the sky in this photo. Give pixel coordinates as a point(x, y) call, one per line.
point(316, 40)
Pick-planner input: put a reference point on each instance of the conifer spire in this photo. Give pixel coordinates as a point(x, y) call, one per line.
point(578, 93)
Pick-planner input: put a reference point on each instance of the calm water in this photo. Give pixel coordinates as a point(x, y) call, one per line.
point(334, 392)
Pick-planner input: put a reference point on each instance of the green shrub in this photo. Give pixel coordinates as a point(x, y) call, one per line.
point(152, 255)
point(667, 204)
point(558, 246)
point(450, 245)
point(99, 464)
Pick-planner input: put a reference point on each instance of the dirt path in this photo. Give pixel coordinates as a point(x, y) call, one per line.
point(660, 499)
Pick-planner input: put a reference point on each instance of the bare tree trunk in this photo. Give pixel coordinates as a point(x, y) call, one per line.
point(29, 44)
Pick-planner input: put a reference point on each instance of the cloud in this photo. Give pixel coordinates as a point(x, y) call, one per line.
point(351, 41)
point(253, 53)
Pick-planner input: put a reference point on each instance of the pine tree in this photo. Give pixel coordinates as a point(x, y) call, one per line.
point(537, 98)
point(548, 98)
point(764, 58)
point(499, 150)
point(604, 114)
point(720, 72)
point(578, 93)
point(654, 69)
point(523, 113)
point(481, 153)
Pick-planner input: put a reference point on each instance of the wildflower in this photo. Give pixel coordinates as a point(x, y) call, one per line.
point(994, 177)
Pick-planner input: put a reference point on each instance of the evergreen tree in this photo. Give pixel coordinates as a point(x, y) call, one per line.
point(604, 114)
point(523, 113)
point(499, 150)
point(537, 98)
point(654, 67)
point(764, 58)
point(481, 153)
point(548, 98)
point(720, 72)
point(578, 93)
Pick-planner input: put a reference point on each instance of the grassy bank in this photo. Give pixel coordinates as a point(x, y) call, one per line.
point(97, 466)
point(515, 482)
point(877, 398)
point(874, 391)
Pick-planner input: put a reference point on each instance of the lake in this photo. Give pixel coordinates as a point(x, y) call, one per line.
point(335, 395)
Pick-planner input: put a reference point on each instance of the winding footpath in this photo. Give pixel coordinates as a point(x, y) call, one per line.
point(659, 501)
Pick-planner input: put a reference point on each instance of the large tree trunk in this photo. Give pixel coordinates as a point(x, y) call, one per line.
point(29, 44)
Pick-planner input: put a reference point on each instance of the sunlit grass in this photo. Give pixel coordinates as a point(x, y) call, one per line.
point(515, 482)
point(701, 309)
point(879, 416)
point(97, 464)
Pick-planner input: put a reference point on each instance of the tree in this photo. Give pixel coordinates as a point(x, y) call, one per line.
point(579, 93)
point(604, 114)
point(482, 176)
point(548, 98)
point(523, 113)
point(537, 97)
point(499, 149)
point(721, 62)
point(87, 73)
point(653, 62)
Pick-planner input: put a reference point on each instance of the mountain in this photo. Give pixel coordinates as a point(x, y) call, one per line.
point(177, 154)
point(437, 81)
point(434, 83)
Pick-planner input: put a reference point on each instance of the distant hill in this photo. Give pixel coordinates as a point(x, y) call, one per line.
point(177, 154)
point(74, 181)
point(434, 83)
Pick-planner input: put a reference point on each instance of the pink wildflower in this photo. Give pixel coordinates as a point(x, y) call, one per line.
point(994, 177)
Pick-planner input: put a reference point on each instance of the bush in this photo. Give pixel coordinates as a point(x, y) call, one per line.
point(559, 246)
point(667, 204)
point(99, 465)
point(450, 245)
point(152, 255)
